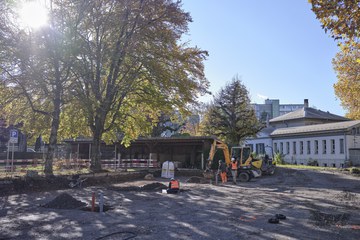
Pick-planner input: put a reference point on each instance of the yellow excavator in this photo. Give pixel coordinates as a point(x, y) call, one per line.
point(248, 166)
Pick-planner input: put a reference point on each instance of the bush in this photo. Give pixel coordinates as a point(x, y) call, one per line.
point(278, 159)
point(312, 162)
point(355, 170)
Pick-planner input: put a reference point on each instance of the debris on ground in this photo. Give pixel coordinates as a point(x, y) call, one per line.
point(149, 176)
point(148, 187)
point(154, 186)
point(198, 180)
point(347, 196)
point(326, 219)
point(64, 201)
point(97, 208)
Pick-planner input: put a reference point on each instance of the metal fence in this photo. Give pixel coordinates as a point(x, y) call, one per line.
point(21, 166)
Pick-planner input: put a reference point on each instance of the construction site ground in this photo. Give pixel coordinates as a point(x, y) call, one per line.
point(317, 205)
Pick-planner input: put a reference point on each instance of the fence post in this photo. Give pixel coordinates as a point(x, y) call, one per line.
point(101, 202)
point(12, 159)
point(119, 156)
point(148, 165)
point(202, 161)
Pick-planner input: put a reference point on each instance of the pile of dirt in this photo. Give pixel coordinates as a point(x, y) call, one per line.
point(148, 187)
point(198, 180)
point(64, 201)
point(153, 186)
point(326, 219)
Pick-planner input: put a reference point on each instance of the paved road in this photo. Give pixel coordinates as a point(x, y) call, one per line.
point(318, 205)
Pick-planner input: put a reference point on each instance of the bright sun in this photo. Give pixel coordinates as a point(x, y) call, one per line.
point(33, 14)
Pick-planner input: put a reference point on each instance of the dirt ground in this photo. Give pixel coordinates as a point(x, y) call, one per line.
point(317, 205)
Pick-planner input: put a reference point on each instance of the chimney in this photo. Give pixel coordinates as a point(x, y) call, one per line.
point(306, 103)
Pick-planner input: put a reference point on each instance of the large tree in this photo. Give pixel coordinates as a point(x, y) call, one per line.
point(131, 64)
point(38, 74)
point(342, 19)
point(348, 86)
point(230, 116)
point(117, 64)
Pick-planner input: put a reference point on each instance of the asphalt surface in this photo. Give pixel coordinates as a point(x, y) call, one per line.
point(317, 205)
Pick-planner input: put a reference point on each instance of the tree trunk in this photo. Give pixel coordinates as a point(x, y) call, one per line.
point(54, 124)
point(95, 165)
point(53, 139)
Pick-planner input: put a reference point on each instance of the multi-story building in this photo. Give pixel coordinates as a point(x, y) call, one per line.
point(272, 109)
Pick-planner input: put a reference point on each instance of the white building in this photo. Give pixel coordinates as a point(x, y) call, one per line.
point(327, 144)
point(310, 135)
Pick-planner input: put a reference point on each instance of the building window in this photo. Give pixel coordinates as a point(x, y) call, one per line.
point(251, 146)
point(275, 148)
point(287, 147)
point(332, 144)
point(294, 147)
point(301, 147)
point(324, 146)
point(308, 147)
point(260, 148)
point(342, 145)
point(281, 148)
point(316, 146)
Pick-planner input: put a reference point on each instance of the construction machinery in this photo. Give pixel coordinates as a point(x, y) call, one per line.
point(248, 166)
point(244, 156)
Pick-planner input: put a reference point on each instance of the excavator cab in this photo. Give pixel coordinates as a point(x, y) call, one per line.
point(246, 160)
point(242, 154)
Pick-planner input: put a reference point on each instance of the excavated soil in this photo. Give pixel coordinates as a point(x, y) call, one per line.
point(200, 180)
point(323, 219)
point(156, 186)
point(64, 201)
point(317, 205)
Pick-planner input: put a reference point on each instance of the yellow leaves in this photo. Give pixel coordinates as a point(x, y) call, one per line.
point(339, 17)
point(346, 64)
point(73, 122)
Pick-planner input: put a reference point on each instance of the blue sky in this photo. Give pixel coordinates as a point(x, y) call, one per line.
point(277, 47)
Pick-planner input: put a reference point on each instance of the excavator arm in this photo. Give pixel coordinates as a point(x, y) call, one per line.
point(217, 144)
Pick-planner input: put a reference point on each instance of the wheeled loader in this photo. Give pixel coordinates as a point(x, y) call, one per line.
point(248, 167)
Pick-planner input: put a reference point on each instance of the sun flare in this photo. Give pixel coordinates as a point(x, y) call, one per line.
point(33, 14)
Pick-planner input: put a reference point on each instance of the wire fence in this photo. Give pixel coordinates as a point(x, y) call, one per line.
point(22, 166)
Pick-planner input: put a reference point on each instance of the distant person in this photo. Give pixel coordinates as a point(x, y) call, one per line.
point(223, 171)
point(234, 167)
point(174, 186)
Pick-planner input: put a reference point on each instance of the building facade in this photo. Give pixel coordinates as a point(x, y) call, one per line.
point(326, 145)
point(272, 109)
point(310, 136)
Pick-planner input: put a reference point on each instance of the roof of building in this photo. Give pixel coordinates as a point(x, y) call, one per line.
point(309, 129)
point(308, 113)
point(267, 130)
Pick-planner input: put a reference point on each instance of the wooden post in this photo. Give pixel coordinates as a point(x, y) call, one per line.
point(93, 202)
